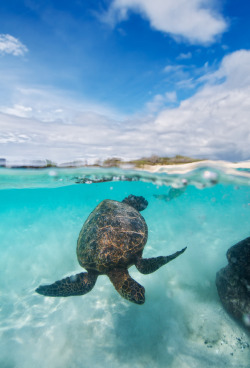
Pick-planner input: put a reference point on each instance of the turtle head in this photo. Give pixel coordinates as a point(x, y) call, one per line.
point(138, 202)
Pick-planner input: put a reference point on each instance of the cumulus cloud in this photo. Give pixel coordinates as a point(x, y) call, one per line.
point(213, 123)
point(235, 70)
point(159, 101)
point(11, 45)
point(195, 20)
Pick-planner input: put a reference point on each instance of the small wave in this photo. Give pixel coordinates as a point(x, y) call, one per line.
point(200, 174)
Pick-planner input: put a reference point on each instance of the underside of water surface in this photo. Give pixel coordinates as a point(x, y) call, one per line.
point(182, 323)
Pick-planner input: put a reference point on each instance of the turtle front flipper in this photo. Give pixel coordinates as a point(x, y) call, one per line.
point(150, 265)
point(79, 284)
point(127, 287)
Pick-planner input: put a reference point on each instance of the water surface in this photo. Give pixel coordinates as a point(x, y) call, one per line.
point(182, 323)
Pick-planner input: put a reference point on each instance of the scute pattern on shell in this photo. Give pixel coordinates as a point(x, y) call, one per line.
point(112, 236)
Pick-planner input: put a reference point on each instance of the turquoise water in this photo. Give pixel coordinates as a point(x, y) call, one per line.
point(182, 323)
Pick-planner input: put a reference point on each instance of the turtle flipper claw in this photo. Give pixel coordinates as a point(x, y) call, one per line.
point(79, 284)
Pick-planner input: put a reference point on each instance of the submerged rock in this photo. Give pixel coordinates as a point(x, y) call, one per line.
point(233, 282)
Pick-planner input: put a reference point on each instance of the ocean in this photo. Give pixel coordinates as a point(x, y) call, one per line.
point(182, 323)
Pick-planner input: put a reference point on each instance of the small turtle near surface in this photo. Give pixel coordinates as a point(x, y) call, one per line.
point(111, 240)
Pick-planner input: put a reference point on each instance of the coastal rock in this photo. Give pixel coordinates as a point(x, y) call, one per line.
point(233, 282)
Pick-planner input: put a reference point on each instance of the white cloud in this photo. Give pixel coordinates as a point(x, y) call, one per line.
point(11, 45)
point(195, 20)
point(235, 68)
point(171, 96)
point(182, 77)
point(159, 101)
point(213, 123)
point(173, 68)
point(18, 110)
point(49, 104)
point(184, 56)
point(187, 77)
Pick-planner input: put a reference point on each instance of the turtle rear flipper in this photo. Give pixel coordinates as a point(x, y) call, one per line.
point(79, 284)
point(149, 265)
point(127, 287)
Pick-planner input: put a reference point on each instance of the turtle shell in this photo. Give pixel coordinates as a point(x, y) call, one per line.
point(112, 236)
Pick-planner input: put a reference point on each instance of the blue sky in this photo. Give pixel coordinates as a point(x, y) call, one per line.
point(127, 78)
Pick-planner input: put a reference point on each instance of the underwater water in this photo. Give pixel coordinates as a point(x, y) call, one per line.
point(182, 323)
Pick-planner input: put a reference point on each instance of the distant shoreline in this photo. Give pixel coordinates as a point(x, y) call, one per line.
point(106, 163)
point(184, 168)
point(176, 164)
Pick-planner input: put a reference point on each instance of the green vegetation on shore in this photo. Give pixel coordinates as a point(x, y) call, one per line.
point(152, 160)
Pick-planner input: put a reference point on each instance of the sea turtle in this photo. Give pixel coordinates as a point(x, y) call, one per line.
point(173, 193)
point(233, 282)
point(111, 240)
